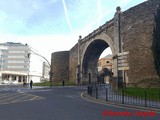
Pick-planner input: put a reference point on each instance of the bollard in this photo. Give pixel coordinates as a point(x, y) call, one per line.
point(96, 93)
point(88, 90)
point(145, 97)
point(91, 91)
point(123, 96)
point(106, 94)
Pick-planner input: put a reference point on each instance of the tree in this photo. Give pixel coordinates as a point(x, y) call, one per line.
point(156, 40)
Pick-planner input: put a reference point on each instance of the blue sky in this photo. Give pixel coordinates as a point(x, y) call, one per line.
point(54, 25)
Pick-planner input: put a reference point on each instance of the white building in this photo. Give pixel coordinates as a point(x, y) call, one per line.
point(14, 62)
point(18, 64)
point(45, 72)
point(39, 70)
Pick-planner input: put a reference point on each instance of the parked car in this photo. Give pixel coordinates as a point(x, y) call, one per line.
point(4, 82)
point(14, 82)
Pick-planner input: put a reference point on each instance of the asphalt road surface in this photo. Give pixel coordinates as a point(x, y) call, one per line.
point(61, 103)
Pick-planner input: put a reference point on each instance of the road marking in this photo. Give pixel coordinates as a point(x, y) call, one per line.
point(34, 98)
point(19, 94)
point(8, 95)
point(38, 90)
point(5, 94)
point(18, 97)
point(74, 96)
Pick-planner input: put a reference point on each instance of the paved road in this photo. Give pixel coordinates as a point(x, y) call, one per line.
point(58, 103)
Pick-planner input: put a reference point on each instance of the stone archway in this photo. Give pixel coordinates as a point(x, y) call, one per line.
point(129, 35)
point(91, 55)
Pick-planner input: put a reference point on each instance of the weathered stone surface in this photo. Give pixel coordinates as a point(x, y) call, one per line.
point(132, 33)
point(60, 66)
point(73, 63)
point(136, 31)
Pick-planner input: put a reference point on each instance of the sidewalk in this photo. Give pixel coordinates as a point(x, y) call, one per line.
point(105, 93)
point(100, 101)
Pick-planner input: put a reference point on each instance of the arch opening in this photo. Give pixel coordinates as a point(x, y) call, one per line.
point(90, 60)
point(105, 67)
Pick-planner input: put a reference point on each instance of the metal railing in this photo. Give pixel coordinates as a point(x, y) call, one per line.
point(122, 96)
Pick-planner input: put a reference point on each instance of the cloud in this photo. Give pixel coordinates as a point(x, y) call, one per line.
point(99, 12)
point(67, 17)
point(52, 1)
point(43, 44)
point(35, 5)
point(124, 2)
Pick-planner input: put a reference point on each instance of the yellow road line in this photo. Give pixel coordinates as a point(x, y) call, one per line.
point(8, 95)
point(34, 98)
point(9, 98)
point(18, 101)
point(20, 98)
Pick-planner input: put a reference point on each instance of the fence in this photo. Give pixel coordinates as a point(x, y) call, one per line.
point(123, 96)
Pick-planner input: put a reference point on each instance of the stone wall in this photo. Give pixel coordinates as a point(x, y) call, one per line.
point(136, 33)
point(60, 66)
point(73, 62)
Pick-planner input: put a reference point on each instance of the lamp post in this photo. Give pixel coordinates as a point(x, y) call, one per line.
point(33, 52)
point(1, 66)
point(1, 61)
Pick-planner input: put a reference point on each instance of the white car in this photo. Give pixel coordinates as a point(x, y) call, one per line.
point(5, 82)
point(14, 82)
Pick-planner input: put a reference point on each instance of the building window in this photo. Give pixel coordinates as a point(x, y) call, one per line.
point(107, 61)
point(16, 51)
point(15, 67)
point(16, 56)
point(15, 61)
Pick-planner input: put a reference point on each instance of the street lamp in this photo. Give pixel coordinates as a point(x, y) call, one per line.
point(1, 66)
point(1, 61)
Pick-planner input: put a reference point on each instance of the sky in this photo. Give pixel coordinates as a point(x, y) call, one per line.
point(49, 26)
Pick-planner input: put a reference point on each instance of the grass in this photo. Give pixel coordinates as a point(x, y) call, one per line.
point(149, 93)
point(47, 83)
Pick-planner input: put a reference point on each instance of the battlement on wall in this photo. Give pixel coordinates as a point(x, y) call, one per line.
point(98, 31)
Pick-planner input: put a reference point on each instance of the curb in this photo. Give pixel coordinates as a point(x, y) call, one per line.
point(85, 96)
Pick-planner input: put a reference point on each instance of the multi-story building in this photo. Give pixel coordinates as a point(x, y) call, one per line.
point(14, 62)
point(105, 62)
point(45, 72)
point(39, 70)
